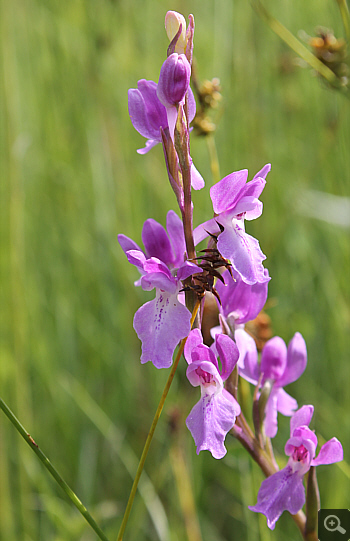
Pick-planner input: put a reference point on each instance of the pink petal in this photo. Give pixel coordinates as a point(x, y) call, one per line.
point(224, 194)
point(296, 360)
point(160, 325)
point(302, 417)
point(286, 404)
point(210, 420)
point(194, 339)
point(282, 491)
point(244, 253)
point(330, 452)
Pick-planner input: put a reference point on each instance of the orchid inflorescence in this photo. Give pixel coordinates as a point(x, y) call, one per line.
point(232, 268)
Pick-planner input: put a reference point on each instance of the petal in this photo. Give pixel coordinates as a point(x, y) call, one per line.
point(296, 360)
point(197, 181)
point(244, 253)
point(302, 417)
point(306, 434)
point(160, 325)
point(176, 235)
point(209, 421)
point(263, 172)
point(160, 281)
point(203, 230)
point(155, 110)
point(248, 356)
point(271, 415)
point(194, 339)
point(127, 244)
point(273, 358)
point(191, 104)
point(138, 117)
point(137, 258)
point(205, 354)
point(228, 353)
point(330, 452)
point(282, 491)
point(253, 188)
point(250, 206)
point(206, 365)
point(224, 194)
point(241, 300)
point(187, 269)
point(286, 404)
point(171, 113)
point(150, 143)
point(156, 241)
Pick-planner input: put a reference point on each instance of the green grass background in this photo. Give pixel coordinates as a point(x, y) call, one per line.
point(71, 181)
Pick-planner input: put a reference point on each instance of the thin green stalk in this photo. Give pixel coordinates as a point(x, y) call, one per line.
point(34, 446)
point(297, 46)
point(345, 15)
point(152, 430)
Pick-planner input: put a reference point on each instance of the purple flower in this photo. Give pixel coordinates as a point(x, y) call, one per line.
point(284, 490)
point(279, 364)
point(148, 116)
point(235, 200)
point(215, 413)
point(240, 302)
point(161, 323)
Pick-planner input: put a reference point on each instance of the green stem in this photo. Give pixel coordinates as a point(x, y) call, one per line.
point(297, 46)
point(345, 15)
point(34, 446)
point(152, 430)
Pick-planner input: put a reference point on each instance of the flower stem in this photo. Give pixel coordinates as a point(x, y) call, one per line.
point(152, 430)
point(344, 11)
point(34, 446)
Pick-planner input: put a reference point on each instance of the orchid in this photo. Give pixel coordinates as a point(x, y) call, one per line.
point(161, 323)
point(234, 200)
point(284, 490)
point(150, 117)
point(215, 413)
point(279, 364)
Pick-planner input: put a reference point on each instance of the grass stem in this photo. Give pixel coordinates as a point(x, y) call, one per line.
point(152, 430)
point(34, 446)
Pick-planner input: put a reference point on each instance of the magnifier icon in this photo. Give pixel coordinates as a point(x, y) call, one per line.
point(332, 524)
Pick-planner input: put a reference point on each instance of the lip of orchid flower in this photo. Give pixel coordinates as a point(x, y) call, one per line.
point(284, 490)
point(215, 413)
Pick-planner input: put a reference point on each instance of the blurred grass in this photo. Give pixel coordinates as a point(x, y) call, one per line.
point(71, 181)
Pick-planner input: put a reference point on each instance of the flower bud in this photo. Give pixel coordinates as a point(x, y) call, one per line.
point(174, 80)
point(173, 20)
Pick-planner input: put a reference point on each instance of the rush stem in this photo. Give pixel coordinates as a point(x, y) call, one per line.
point(34, 446)
point(152, 430)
